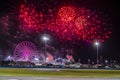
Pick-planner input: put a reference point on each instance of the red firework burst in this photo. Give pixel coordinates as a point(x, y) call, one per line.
point(30, 19)
point(66, 13)
point(5, 22)
point(86, 25)
point(71, 24)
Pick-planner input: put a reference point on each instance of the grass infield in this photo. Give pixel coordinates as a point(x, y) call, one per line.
point(87, 73)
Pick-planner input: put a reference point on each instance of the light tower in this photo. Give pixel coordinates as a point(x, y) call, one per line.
point(45, 39)
point(97, 45)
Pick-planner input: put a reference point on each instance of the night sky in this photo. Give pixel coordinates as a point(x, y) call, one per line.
point(108, 50)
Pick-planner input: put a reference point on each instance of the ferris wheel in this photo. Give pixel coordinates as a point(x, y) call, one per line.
point(25, 51)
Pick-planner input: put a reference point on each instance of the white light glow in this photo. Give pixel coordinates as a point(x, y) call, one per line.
point(97, 43)
point(45, 38)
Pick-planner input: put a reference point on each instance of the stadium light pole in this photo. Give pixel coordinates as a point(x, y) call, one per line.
point(97, 45)
point(45, 39)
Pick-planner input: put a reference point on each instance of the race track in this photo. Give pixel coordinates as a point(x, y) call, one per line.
point(49, 78)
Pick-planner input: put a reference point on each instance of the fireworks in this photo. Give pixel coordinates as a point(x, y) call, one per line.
point(81, 22)
point(30, 19)
point(81, 25)
point(66, 14)
point(6, 23)
point(68, 23)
